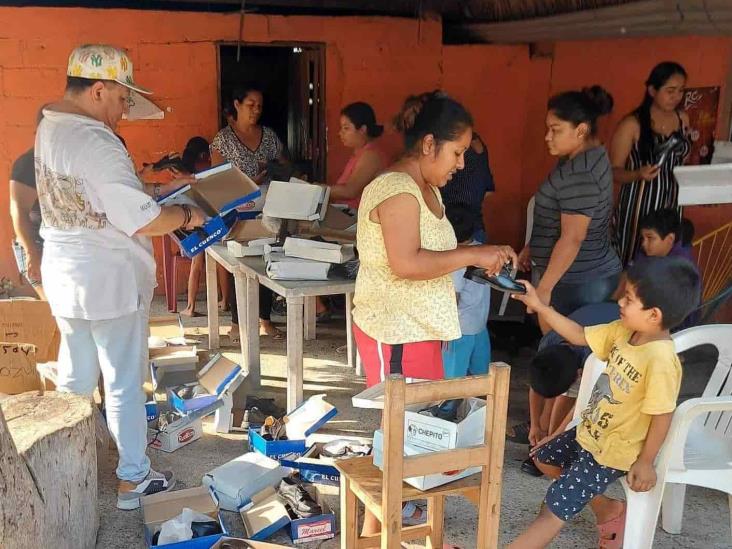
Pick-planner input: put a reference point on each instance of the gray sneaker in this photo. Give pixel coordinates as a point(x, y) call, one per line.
point(129, 493)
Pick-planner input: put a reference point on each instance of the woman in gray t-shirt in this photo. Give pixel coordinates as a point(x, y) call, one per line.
point(570, 245)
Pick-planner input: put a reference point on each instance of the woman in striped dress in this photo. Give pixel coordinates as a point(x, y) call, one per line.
point(645, 177)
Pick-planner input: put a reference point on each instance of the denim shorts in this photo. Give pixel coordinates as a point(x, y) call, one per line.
point(21, 259)
point(582, 477)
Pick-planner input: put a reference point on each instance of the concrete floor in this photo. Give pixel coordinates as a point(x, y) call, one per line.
point(706, 518)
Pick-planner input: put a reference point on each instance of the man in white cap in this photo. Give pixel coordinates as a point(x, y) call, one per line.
point(98, 266)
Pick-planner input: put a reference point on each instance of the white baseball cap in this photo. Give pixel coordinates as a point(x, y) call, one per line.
point(101, 62)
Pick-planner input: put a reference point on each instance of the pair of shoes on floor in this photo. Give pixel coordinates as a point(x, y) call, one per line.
point(273, 429)
point(298, 499)
point(256, 411)
point(129, 493)
point(342, 449)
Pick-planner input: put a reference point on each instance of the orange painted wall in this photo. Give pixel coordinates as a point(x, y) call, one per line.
point(379, 60)
point(621, 66)
point(491, 82)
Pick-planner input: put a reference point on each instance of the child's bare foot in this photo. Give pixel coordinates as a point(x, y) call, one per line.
point(266, 328)
point(234, 334)
point(223, 305)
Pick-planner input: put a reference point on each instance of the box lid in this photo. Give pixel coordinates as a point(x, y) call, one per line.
point(164, 506)
point(309, 417)
point(174, 354)
point(224, 187)
point(219, 374)
point(166, 327)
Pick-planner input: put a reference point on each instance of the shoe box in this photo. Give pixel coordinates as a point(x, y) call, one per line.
point(172, 362)
point(267, 514)
point(227, 542)
point(218, 191)
point(303, 421)
point(236, 482)
point(264, 515)
point(316, 468)
point(159, 508)
point(176, 434)
point(317, 528)
point(219, 378)
point(424, 434)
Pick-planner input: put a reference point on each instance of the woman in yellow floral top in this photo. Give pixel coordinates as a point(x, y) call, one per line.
point(404, 305)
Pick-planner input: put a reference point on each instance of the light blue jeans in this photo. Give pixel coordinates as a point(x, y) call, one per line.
point(118, 349)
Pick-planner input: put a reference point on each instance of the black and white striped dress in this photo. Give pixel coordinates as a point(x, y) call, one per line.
point(639, 198)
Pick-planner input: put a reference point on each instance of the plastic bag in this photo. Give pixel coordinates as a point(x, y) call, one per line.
point(179, 528)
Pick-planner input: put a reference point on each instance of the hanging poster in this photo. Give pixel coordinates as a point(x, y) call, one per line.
point(701, 104)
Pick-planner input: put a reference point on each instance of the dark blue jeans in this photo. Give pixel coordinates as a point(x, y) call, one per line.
point(567, 298)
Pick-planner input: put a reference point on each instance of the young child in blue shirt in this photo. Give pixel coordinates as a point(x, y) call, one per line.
point(471, 354)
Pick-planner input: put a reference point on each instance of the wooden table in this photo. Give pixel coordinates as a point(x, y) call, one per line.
point(249, 273)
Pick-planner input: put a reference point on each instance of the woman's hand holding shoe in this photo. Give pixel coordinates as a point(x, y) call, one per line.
point(493, 258)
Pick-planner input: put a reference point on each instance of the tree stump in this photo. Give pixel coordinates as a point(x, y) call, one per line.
point(48, 472)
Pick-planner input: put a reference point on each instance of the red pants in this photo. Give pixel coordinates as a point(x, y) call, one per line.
point(420, 360)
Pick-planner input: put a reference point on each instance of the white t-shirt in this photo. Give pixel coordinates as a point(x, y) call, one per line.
point(92, 204)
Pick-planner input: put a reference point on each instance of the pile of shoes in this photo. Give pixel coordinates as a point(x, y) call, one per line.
point(343, 449)
point(298, 500)
point(257, 410)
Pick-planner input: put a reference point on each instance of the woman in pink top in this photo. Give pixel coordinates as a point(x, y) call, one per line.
point(358, 132)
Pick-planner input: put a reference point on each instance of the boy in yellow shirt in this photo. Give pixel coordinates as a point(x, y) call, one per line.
point(630, 410)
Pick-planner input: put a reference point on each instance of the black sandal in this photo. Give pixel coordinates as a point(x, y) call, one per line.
point(520, 433)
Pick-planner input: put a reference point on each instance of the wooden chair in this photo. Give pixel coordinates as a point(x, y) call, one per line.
point(383, 493)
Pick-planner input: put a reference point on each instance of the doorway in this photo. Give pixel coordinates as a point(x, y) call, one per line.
point(292, 78)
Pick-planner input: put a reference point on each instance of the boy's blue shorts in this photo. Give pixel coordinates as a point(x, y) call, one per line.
point(471, 354)
point(582, 477)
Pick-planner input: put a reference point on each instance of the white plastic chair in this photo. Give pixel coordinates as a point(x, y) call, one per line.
point(698, 448)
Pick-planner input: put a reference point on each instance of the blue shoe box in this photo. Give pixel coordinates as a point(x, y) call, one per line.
point(219, 377)
point(218, 191)
point(277, 449)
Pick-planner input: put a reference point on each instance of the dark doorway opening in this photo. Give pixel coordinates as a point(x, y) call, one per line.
point(292, 78)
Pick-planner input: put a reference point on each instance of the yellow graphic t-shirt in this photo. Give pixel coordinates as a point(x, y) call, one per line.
point(640, 381)
point(394, 310)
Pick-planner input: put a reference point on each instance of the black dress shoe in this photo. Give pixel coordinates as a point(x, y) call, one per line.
point(530, 468)
point(298, 499)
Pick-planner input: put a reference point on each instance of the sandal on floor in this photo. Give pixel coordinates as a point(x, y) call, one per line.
point(519, 433)
point(234, 336)
point(409, 511)
point(277, 334)
point(612, 532)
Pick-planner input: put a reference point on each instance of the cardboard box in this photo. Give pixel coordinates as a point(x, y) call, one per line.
point(281, 267)
point(296, 199)
point(248, 249)
point(315, 250)
point(314, 467)
point(236, 482)
point(303, 421)
point(320, 527)
point(240, 543)
point(174, 364)
point(175, 435)
point(30, 321)
point(158, 508)
point(219, 377)
point(166, 327)
point(18, 372)
point(218, 192)
point(250, 229)
point(424, 434)
point(265, 515)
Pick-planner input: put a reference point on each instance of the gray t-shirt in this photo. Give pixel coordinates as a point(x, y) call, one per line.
point(582, 185)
